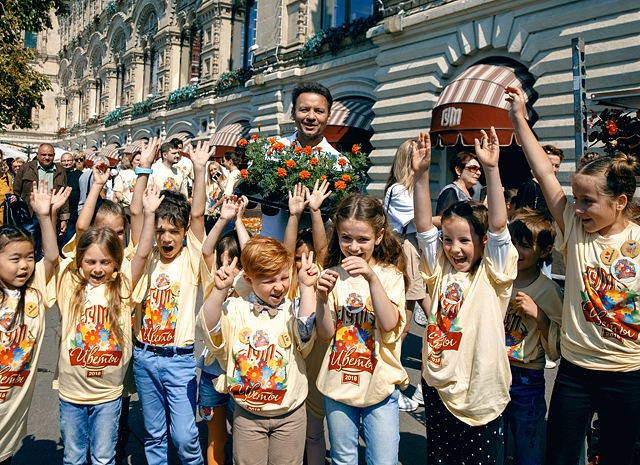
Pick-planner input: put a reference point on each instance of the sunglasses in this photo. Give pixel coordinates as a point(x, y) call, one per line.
point(473, 169)
point(79, 159)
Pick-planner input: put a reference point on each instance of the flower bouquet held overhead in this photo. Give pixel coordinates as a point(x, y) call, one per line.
point(275, 167)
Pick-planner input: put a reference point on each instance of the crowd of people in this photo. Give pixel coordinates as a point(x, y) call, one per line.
point(303, 324)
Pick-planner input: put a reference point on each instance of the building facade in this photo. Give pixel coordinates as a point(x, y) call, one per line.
point(132, 69)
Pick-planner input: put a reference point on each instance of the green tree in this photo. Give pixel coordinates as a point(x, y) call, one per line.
point(20, 85)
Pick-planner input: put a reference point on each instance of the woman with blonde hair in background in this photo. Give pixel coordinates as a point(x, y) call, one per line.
point(216, 181)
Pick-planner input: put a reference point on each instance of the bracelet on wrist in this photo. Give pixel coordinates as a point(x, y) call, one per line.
point(140, 170)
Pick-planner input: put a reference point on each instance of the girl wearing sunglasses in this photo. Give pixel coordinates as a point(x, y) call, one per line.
point(466, 171)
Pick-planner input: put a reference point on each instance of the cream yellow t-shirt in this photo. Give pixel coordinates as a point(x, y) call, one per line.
point(600, 316)
point(125, 183)
point(263, 357)
point(92, 363)
point(362, 364)
point(463, 353)
point(19, 354)
point(170, 179)
point(526, 346)
point(166, 316)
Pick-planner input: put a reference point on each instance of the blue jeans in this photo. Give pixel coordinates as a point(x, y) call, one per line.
point(524, 414)
point(381, 425)
point(168, 385)
point(93, 427)
point(34, 229)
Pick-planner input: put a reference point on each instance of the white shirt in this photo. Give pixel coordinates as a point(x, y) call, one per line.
point(398, 203)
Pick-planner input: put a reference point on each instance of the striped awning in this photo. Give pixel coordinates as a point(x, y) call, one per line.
point(183, 136)
point(90, 153)
point(229, 135)
point(110, 151)
point(135, 146)
point(475, 100)
point(353, 113)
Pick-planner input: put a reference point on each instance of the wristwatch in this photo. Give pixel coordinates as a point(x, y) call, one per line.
point(139, 170)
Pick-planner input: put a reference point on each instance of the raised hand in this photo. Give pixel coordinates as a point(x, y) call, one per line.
point(421, 153)
point(149, 152)
point(226, 274)
point(326, 283)
point(59, 198)
point(242, 206)
point(357, 266)
point(515, 96)
point(489, 152)
point(151, 199)
point(229, 208)
point(200, 156)
point(308, 273)
point(41, 198)
point(297, 203)
point(101, 173)
point(318, 196)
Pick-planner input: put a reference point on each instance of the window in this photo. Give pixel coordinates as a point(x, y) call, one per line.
point(194, 73)
point(31, 40)
point(249, 32)
point(338, 12)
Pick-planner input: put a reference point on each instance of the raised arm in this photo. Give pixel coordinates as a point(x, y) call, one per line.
point(227, 213)
point(537, 158)
point(100, 178)
point(199, 158)
point(325, 324)
point(147, 156)
point(306, 284)
point(241, 230)
point(488, 153)
point(212, 308)
point(297, 205)
point(151, 201)
point(41, 201)
point(315, 199)
point(421, 195)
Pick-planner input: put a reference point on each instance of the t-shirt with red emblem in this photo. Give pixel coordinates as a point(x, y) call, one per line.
point(361, 366)
point(463, 352)
point(600, 315)
point(166, 316)
point(20, 344)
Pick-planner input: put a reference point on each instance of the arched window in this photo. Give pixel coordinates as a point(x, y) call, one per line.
point(119, 46)
point(190, 56)
point(147, 32)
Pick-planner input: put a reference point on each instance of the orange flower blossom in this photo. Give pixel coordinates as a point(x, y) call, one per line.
point(308, 150)
point(281, 172)
point(611, 126)
point(319, 149)
point(305, 174)
point(290, 163)
point(355, 149)
point(244, 173)
point(242, 142)
point(342, 161)
point(346, 178)
point(254, 137)
point(278, 146)
point(272, 140)
point(297, 150)
point(313, 161)
point(340, 185)
point(323, 177)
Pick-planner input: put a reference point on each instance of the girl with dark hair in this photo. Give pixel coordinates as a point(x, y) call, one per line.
point(599, 236)
point(361, 312)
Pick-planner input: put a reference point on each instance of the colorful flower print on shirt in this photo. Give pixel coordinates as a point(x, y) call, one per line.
point(160, 312)
point(259, 376)
point(353, 349)
point(515, 332)
point(170, 184)
point(16, 350)
point(442, 333)
point(606, 302)
point(94, 348)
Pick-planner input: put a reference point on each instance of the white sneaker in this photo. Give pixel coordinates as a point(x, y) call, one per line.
point(405, 404)
point(550, 364)
point(417, 396)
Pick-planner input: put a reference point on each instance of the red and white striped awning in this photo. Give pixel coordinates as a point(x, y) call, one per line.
point(475, 100)
point(353, 113)
point(90, 153)
point(183, 136)
point(135, 146)
point(110, 151)
point(229, 135)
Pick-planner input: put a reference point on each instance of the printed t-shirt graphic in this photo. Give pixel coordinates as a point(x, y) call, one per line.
point(362, 364)
point(125, 183)
point(20, 345)
point(442, 333)
point(167, 314)
point(601, 319)
point(525, 345)
point(168, 178)
point(262, 356)
point(92, 365)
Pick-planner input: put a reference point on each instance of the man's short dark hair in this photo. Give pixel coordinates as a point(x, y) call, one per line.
point(175, 208)
point(312, 88)
point(167, 147)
